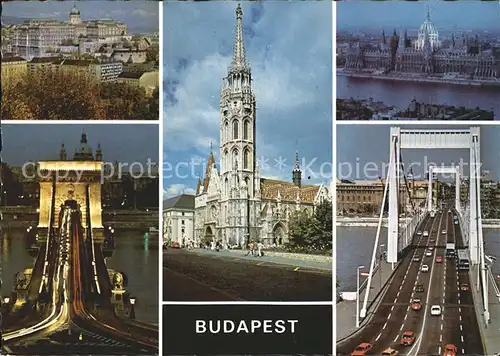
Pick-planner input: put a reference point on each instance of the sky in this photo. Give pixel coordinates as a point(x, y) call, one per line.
point(138, 15)
point(123, 143)
point(370, 143)
point(449, 15)
point(288, 45)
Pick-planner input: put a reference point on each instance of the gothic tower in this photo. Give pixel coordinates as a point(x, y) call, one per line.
point(297, 173)
point(62, 153)
point(237, 144)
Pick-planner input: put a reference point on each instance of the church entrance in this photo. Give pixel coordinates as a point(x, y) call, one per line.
point(209, 234)
point(279, 235)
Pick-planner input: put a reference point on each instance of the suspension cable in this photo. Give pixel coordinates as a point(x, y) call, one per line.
point(406, 180)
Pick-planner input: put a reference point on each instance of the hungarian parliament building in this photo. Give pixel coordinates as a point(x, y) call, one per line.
point(425, 55)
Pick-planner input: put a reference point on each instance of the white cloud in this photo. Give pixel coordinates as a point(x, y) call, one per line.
point(177, 189)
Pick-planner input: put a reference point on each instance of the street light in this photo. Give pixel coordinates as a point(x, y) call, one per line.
point(357, 295)
point(380, 264)
point(132, 310)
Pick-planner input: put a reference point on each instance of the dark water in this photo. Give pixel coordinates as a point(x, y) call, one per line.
point(355, 248)
point(400, 94)
point(139, 261)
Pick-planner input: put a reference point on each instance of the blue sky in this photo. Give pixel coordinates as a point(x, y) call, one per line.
point(288, 45)
point(448, 15)
point(139, 15)
point(370, 143)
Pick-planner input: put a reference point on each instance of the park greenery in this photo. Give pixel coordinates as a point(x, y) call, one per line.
point(61, 96)
point(311, 233)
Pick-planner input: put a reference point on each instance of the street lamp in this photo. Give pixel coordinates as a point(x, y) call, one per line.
point(380, 264)
point(357, 294)
point(132, 310)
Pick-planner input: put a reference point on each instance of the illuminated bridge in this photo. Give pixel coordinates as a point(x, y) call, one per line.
point(74, 295)
point(439, 289)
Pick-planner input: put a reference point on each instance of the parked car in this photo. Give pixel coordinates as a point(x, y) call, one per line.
point(464, 287)
point(362, 349)
point(390, 352)
point(436, 310)
point(175, 244)
point(407, 338)
point(424, 268)
point(439, 259)
point(416, 305)
point(450, 350)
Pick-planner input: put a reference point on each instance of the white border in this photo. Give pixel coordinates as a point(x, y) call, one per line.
point(160, 175)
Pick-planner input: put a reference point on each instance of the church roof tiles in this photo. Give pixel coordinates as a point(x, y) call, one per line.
point(288, 191)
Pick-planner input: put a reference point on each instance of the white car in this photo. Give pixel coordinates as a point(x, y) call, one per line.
point(436, 310)
point(428, 253)
point(424, 268)
point(456, 222)
point(419, 232)
point(443, 232)
point(426, 233)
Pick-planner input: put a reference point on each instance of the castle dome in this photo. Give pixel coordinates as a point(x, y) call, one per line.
point(74, 11)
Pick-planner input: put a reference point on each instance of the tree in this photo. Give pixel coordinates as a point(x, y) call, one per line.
point(312, 231)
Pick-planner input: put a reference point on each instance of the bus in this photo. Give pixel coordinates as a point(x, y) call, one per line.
point(462, 260)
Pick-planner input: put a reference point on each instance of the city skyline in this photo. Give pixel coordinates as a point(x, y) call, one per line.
point(352, 15)
point(291, 80)
point(138, 15)
point(37, 142)
point(360, 146)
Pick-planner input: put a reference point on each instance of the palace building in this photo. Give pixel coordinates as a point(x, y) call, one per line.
point(37, 37)
point(425, 55)
point(233, 204)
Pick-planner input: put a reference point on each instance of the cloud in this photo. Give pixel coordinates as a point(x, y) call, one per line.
point(288, 46)
point(177, 189)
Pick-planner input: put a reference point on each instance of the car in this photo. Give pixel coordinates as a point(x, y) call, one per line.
point(424, 268)
point(418, 233)
point(456, 222)
point(430, 248)
point(416, 305)
point(431, 240)
point(464, 287)
point(362, 349)
point(428, 253)
point(416, 258)
point(390, 352)
point(175, 244)
point(439, 259)
point(419, 287)
point(449, 210)
point(407, 338)
point(426, 233)
point(436, 310)
point(450, 350)
point(443, 232)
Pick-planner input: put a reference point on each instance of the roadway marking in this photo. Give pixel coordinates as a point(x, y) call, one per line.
point(401, 328)
point(378, 337)
point(383, 327)
point(260, 263)
point(296, 269)
point(396, 338)
point(392, 308)
point(441, 326)
point(395, 300)
point(441, 338)
point(389, 316)
point(460, 317)
point(439, 350)
point(461, 327)
point(462, 338)
point(406, 316)
point(463, 351)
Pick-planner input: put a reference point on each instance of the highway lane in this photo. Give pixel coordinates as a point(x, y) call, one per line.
point(385, 327)
point(458, 323)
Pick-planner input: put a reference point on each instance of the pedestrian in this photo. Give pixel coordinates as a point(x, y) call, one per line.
point(259, 249)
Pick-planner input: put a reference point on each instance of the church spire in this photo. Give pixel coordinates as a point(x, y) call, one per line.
point(428, 15)
point(297, 173)
point(239, 59)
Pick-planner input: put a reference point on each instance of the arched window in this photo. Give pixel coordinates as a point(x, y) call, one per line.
point(246, 159)
point(226, 131)
point(225, 161)
point(235, 129)
point(246, 130)
point(235, 160)
point(226, 188)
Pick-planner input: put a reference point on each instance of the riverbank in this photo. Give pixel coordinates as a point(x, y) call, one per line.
point(373, 222)
point(430, 80)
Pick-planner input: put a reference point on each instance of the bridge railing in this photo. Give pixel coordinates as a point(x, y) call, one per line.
point(408, 230)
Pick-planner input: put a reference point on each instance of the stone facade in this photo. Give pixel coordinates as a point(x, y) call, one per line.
point(233, 203)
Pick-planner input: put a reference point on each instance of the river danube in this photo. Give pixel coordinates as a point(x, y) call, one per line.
point(400, 93)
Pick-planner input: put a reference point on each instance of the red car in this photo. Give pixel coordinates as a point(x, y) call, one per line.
point(416, 305)
point(407, 338)
point(439, 259)
point(362, 349)
point(464, 287)
point(450, 350)
point(175, 244)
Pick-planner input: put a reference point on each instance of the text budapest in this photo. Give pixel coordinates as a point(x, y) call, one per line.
point(245, 326)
